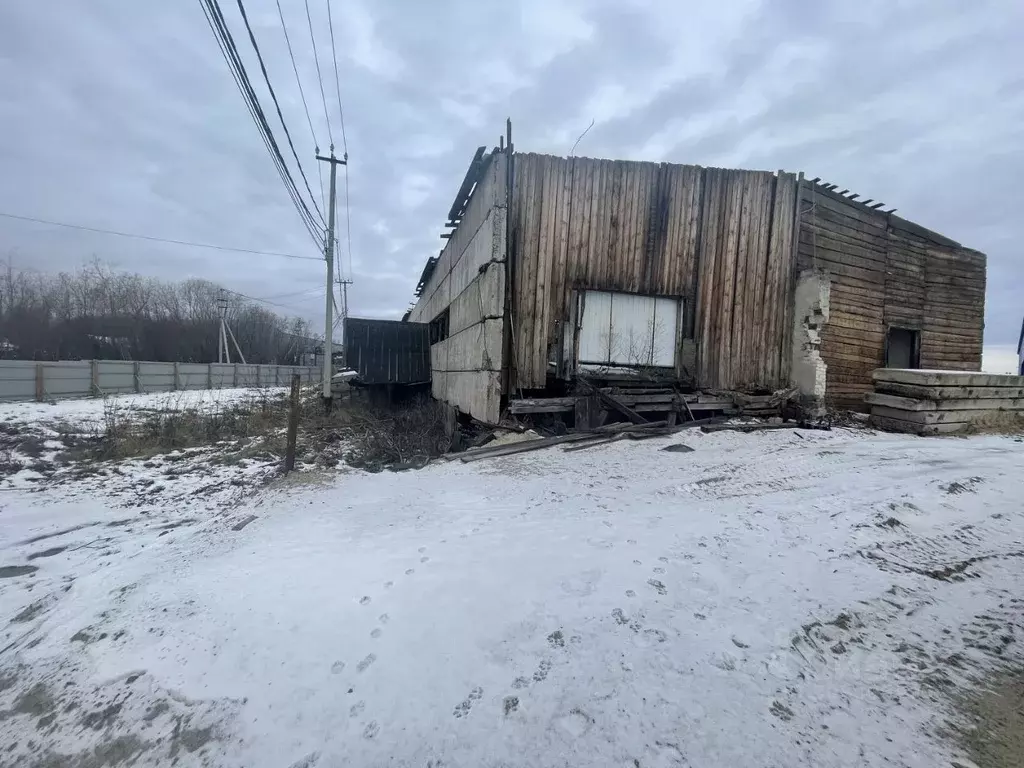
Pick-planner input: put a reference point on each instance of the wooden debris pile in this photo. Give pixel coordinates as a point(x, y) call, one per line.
point(925, 402)
point(587, 439)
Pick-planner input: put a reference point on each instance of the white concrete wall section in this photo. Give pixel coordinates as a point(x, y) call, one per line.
point(469, 281)
point(811, 300)
point(31, 380)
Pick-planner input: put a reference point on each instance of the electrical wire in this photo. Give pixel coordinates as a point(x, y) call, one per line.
point(156, 239)
point(319, 77)
point(277, 106)
point(305, 106)
point(223, 36)
point(225, 41)
point(348, 223)
point(261, 301)
point(337, 80)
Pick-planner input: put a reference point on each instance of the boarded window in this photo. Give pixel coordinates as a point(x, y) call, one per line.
point(902, 348)
point(439, 326)
point(628, 329)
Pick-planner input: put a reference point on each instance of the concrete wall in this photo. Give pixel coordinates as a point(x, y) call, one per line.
point(31, 380)
point(469, 281)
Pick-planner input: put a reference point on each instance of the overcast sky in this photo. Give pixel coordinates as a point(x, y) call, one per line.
point(123, 115)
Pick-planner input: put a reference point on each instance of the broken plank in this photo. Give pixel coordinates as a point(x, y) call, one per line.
point(614, 403)
point(542, 405)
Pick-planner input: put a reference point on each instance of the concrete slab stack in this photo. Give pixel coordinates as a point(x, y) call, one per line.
point(926, 402)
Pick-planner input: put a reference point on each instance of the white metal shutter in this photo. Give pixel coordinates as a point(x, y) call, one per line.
point(626, 329)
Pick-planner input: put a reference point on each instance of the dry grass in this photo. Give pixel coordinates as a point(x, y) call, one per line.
point(364, 436)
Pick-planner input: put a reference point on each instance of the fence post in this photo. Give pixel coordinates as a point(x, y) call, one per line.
point(234, 376)
point(293, 425)
point(258, 366)
point(94, 377)
point(40, 389)
point(177, 377)
point(136, 381)
point(277, 375)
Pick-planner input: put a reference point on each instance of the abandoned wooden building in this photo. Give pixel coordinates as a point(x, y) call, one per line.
point(708, 279)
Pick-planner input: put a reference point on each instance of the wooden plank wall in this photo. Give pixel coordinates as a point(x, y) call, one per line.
point(884, 272)
point(469, 281)
point(720, 239)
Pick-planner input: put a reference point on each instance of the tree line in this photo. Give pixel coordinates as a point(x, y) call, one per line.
point(98, 313)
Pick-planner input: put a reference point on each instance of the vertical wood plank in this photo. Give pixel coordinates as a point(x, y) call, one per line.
point(712, 216)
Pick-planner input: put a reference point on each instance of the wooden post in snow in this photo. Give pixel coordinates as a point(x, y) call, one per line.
point(293, 424)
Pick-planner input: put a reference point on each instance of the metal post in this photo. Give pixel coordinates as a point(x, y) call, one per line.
point(136, 382)
point(329, 256)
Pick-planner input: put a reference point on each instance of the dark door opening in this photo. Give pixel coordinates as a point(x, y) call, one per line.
point(902, 348)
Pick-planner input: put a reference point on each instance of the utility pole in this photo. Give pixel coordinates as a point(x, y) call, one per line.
point(329, 256)
point(222, 337)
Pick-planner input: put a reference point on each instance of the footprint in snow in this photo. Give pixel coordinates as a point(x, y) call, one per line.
point(424, 559)
point(520, 682)
point(375, 633)
point(630, 593)
point(421, 550)
point(542, 671)
point(663, 559)
point(337, 667)
point(388, 584)
point(383, 618)
point(658, 586)
point(463, 707)
point(357, 709)
point(364, 599)
point(659, 570)
point(410, 571)
point(371, 730)
point(556, 639)
point(362, 665)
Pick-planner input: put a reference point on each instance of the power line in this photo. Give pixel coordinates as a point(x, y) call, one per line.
point(223, 37)
point(277, 106)
point(305, 106)
point(157, 239)
point(225, 41)
point(319, 77)
point(337, 84)
point(348, 224)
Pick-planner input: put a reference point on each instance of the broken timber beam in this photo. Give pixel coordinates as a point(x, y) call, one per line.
point(613, 402)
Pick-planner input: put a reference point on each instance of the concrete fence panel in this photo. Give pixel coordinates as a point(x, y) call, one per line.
point(193, 375)
point(67, 379)
point(115, 377)
point(17, 380)
point(156, 377)
point(32, 380)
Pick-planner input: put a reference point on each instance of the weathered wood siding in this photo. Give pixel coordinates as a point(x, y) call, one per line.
point(885, 271)
point(719, 239)
point(469, 281)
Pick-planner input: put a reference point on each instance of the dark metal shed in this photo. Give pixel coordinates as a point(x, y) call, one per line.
point(387, 351)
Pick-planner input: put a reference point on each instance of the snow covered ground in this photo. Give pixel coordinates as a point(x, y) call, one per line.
point(773, 599)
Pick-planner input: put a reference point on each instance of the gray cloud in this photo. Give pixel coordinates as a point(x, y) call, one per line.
point(124, 116)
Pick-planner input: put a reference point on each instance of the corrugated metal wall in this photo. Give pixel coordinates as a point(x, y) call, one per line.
point(721, 240)
point(387, 351)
